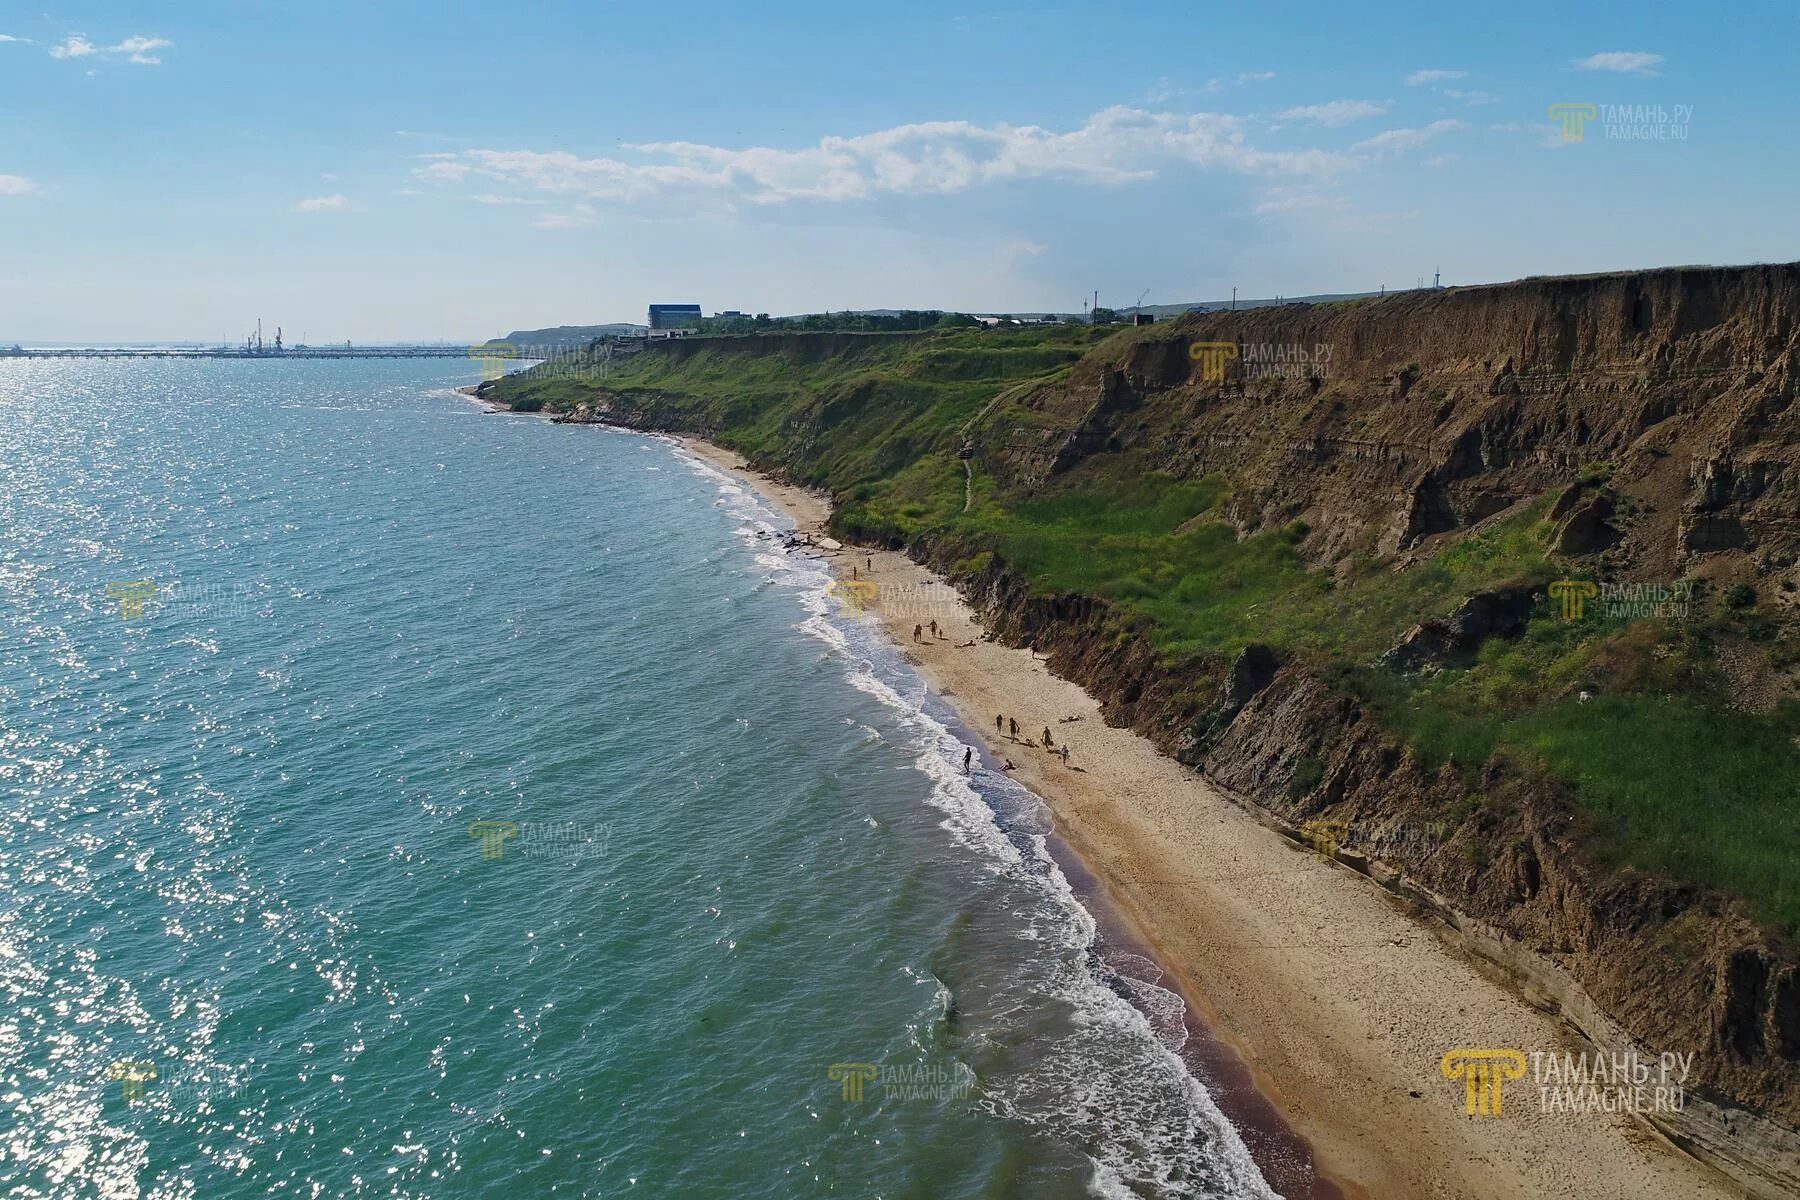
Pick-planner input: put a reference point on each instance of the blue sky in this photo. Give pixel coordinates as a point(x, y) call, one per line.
point(378, 170)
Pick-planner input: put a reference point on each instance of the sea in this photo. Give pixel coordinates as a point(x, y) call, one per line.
point(403, 800)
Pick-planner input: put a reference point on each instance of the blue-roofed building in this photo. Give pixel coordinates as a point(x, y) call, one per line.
point(674, 316)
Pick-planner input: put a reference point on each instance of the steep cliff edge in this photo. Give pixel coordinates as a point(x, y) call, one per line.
point(1496, 584)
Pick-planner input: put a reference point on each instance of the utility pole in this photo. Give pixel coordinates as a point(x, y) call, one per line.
point(1233, 297)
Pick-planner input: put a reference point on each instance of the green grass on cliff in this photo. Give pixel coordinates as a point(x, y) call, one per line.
point(1159, 550)
point(1672, 779)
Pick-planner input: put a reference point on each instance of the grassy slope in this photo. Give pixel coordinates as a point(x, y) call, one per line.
point(1673, 781)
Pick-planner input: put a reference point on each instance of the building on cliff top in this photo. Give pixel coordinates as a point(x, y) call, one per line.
point(674, 316)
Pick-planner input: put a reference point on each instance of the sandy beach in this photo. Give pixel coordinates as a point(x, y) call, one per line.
point(1341, 1003)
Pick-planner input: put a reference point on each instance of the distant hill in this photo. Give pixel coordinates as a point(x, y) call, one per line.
point(1164, 311)
point(1174, 310)
point(567, 337)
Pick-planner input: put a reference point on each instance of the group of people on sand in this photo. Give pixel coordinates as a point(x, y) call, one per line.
point(1008, 727)
point(1002, 724)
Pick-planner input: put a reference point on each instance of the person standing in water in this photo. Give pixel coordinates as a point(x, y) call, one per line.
point(968, 757)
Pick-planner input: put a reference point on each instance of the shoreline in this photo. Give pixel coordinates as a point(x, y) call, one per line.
point(1334, 999)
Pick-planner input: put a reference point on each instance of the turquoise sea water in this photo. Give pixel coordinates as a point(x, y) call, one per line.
point(737, 859)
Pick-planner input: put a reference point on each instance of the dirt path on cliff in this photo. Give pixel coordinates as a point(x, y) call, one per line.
point(1341, 1003)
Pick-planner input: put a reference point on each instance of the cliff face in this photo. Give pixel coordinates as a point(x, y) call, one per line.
point(1385, 423)
point(1646, 420)
point(1674, 965)
point(1390, 428)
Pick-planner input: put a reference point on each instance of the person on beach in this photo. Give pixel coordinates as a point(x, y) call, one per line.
point(853, 572)
point(934, 631)
point(869, 562)
point(1064, 752)
point(1013, 722)
point(1010, 766)
point(918, 633)
point(968, 757)
point(1048, 740)
point(999, 724)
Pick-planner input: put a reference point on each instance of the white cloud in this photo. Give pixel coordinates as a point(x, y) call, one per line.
point(1475, 97)
point(1334, 113)
point(1399, 141)
point(1256, 76)
point(1116, 145)
point(1628, 62)
point(491, 198)
point(16, 185)
point(7, 37)
point(1433, 75)
point(333, 203)
point(137, 48)
point(75, 46)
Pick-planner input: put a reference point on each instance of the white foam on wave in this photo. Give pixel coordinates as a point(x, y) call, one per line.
point(1093, 1085)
